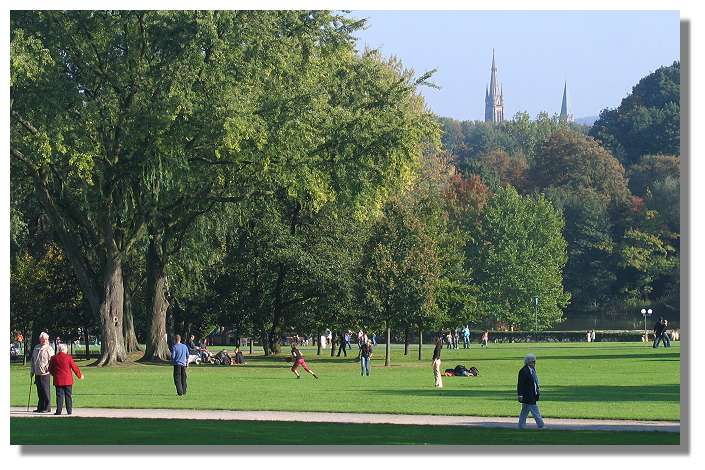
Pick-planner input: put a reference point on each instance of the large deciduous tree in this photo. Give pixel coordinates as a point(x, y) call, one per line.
point(518, 254)
point(647, 122)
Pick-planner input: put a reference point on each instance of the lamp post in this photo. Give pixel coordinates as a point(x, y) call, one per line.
point(536, 313)
point(646, 313)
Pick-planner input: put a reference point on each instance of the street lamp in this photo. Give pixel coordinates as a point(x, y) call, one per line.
point(536, 313)
point(646, 313)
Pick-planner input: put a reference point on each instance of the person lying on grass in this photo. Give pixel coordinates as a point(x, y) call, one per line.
point(298, 359)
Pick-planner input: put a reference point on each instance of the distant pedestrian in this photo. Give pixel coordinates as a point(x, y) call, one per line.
point(374, 339)
point(347, 337)
point(485, 338)
point(659, 328)
point(41, 355)
point(437, 362)
point(666, 336)
point(365, 356)
point(528, 392)
point(60, 367)
point(589, 336)
point(466, 337)
point(298, 359)
point(343, 341)
point(592, 335)
point(179, 358)
point(449, 340)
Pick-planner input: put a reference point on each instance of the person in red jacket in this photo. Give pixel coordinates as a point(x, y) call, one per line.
point(60, 367)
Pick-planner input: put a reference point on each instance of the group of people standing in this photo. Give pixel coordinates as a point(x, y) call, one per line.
point(48, 367)
point(661, 333)
point(452, 338)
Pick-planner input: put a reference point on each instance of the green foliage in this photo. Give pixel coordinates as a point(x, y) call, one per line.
point(573, 161)
point(650, 170)
point(400, 269)
point(647, 122)
point(590, 273)
point(520, 253)
point(44, 295)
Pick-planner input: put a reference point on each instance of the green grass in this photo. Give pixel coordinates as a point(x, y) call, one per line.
point(88, 431)
point(578, 380)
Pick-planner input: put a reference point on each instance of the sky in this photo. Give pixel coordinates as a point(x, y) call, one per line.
point(601, 55)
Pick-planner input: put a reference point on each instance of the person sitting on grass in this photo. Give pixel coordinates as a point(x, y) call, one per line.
point(60, 367)
point(298, 359)
point(239, 358)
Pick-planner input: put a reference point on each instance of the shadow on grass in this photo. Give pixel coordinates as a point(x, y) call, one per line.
point(573, 393)
point(540, 357)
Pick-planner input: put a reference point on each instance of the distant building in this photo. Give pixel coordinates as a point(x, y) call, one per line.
point(565, 115)
point(494, 100)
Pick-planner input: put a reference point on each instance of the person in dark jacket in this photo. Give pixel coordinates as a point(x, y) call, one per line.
point(659, 329)
point(60, 367)
point(436, 364)
point(528, 392)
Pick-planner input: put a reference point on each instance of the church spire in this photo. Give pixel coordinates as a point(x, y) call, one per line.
point(565, 116)
point(494, 101)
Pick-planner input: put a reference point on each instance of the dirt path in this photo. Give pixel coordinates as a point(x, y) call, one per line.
point(433, 420)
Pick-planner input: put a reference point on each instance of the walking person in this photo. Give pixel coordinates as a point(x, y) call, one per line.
point(341, 347)
point(485, 338)
point(41, 355)
point(298, 359)
point(365, 355)
point(528, 392)
point(60, 367)
point(437, 362)
point(179, 358)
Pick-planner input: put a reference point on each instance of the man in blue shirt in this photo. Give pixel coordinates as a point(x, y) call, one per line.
point(179, 357)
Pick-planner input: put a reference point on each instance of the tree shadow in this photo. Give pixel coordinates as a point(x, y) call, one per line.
point(572, 393)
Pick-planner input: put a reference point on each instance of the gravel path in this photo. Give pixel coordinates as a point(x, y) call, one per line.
point(321, 417)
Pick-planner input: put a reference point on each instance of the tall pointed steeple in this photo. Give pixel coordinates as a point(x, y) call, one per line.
point(565, 116)
point(494, 101)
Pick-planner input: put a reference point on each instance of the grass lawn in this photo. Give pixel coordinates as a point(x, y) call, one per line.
point(578, 380)
point(86, 431)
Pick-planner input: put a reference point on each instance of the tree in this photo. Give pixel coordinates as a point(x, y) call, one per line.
point(573, 161)
point(399, 271)
point(520, 253)
point(651, 169)
point(647, 122)
point(589, 274)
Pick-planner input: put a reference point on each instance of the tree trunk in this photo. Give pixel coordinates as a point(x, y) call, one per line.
point(131, 343)
point(265, 341)
point(332, 345)
point(387, 349)
point(277, 314)
point(157, 347)
point(406, 342)
point(420, 342)
point(111, 311)
point(85, 339)
point(318, 341)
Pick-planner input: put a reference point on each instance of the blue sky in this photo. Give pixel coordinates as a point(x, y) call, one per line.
point(601, 54)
